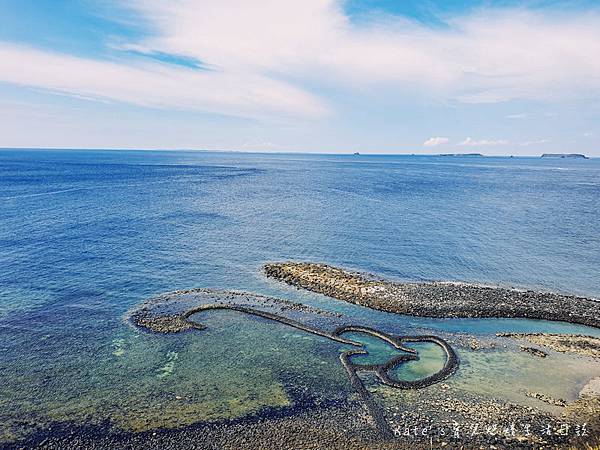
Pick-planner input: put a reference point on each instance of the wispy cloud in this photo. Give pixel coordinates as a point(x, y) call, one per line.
point(516, 116)
point(435, 141)
point(156, 85)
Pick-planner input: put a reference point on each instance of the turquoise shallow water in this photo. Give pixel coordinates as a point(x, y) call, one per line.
point(86, 235)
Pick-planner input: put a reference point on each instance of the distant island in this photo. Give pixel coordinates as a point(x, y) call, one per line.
point(564, 155)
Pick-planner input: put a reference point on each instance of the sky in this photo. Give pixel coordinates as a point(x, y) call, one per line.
point(331, 76)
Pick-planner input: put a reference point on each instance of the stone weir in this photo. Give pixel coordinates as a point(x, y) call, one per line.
point(435, 299)
point(177, 312)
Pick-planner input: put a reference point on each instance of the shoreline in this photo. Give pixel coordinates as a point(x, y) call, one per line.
point(438, 299)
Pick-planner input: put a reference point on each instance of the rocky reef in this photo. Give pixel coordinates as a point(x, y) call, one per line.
point(435, 299)
point(534, 351)
point(547, 399)
point(564, 343)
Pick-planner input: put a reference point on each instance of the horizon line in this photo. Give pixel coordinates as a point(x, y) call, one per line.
point(291, 152)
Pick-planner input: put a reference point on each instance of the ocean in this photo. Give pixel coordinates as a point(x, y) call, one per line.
point(87, 235)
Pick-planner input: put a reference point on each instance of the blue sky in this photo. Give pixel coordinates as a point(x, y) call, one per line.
point(379, 76)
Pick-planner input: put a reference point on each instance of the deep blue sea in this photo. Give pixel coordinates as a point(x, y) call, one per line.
point(86, 235)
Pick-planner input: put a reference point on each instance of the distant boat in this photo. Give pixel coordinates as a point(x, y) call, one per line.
point(356, 153)
point(564, 155)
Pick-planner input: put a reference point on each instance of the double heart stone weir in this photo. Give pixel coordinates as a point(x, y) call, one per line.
point(167, 315)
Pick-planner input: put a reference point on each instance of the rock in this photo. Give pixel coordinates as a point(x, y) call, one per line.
point(534, 351)
point(547, 399)
point(564, 343)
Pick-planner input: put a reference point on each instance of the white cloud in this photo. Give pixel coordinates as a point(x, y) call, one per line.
point(435, 141)
point(156, 85)
point(262, 53)
point(516, 116)
point(469, 142)
point(488, 56)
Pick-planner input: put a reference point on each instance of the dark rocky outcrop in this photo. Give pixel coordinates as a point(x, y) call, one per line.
point(436, 299)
